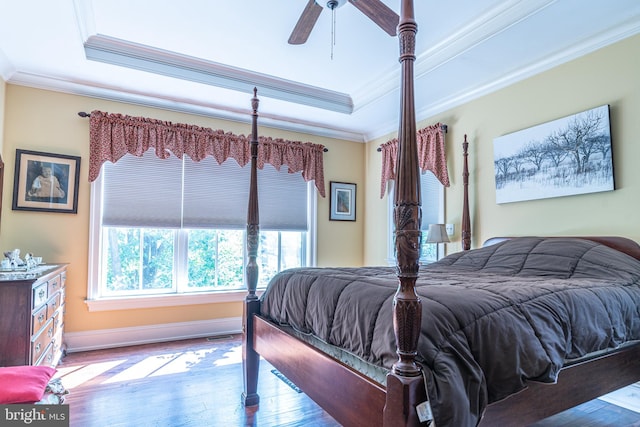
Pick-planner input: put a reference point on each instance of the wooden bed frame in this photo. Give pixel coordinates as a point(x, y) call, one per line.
point(350, 397)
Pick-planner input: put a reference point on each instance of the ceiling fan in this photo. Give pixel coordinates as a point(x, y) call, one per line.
point(377, 11)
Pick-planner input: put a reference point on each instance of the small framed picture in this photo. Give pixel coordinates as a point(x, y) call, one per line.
point(343, 201)
point(46, 182)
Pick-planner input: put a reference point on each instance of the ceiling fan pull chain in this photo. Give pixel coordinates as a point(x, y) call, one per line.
point(333, 29)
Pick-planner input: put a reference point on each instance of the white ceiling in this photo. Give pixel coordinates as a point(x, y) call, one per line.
point(465, 49)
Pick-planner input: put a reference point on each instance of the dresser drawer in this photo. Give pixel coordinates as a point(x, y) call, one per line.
point(32, 316)
point(39, 295)
point(57, 340)
point(53, 285)
point(53, 304)
point(57, 321)
point(40, 343)
point(46, 359)
point(38, 319)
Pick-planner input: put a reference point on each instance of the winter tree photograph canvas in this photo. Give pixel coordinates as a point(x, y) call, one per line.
point(567, 156)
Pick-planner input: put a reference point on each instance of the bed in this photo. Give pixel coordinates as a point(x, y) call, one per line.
point(416, 336)
point(493, 317)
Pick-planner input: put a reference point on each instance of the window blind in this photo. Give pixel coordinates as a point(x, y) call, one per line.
point(142, 192)
point(430, 196)
point(150, 192)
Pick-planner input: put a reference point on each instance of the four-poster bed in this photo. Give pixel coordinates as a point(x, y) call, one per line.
point(355, 395)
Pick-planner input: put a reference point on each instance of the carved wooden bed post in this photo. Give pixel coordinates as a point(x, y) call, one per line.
point(405, 387)
point(466, 222)
point(250, 358)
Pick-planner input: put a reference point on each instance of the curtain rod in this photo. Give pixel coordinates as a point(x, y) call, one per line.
point(85, 114)
point(444, 128)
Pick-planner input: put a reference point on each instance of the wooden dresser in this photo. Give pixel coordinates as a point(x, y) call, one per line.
point(32, 316)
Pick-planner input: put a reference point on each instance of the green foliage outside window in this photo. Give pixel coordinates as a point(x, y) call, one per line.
point(146, 261)
point(139, 259)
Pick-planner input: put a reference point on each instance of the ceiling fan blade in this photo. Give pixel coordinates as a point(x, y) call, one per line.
point(379, 13)
point(305, 24)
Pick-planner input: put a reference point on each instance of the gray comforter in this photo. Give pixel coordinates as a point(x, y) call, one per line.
point(492, 317)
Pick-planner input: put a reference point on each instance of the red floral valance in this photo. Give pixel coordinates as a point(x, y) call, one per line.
point(114, 135)
point(431, 156)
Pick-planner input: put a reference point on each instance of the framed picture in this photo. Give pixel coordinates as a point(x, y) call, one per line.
point(343, 201)
point(46, 182)
point(563, 157)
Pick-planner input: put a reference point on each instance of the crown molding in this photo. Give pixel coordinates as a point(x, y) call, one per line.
point(489, 24)
point(182, 106)
point(85, 18)
point(124, 53)
point(481, 29)
point(587, 46)
point(6, 69)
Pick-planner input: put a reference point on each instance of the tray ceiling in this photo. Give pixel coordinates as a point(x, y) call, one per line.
point(204, 57)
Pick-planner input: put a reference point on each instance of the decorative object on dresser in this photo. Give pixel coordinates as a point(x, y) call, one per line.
point(46, 182)
point(32, 315)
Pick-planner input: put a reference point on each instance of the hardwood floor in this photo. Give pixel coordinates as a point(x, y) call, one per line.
point(198, 383)
point(185, 383)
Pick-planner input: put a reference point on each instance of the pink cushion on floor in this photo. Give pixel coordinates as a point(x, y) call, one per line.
point(24, 384)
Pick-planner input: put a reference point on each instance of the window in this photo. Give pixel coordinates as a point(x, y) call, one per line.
point(432, 197)
point(172, 227)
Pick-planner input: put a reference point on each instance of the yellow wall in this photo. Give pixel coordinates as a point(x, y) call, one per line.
point(47, 121)
point(340, 242)
point(608, 76)
point(377, 219)
point(3, 86)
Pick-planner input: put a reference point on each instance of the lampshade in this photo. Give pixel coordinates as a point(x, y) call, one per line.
point(437, 234)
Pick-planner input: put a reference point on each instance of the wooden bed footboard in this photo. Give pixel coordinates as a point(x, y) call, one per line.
point(576, 384)
point(354, 400)
point(348, 396)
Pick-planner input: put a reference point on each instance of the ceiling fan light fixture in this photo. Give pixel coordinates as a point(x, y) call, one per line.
point(375, 10)
point(333, 4)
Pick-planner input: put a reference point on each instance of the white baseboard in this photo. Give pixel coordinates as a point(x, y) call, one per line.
point(120, 337)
